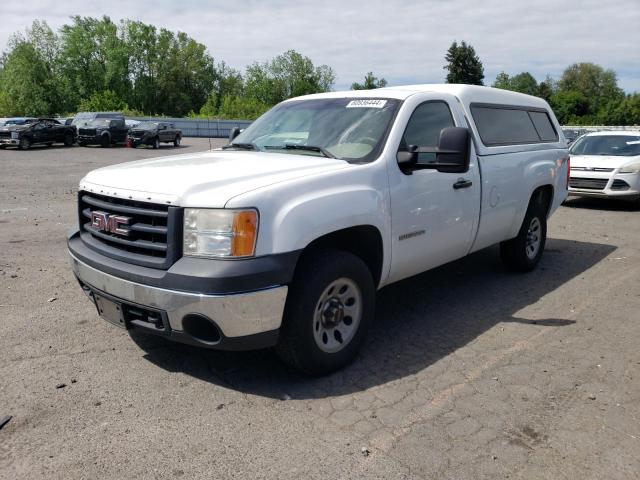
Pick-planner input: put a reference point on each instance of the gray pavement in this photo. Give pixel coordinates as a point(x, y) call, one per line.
point(470, 371)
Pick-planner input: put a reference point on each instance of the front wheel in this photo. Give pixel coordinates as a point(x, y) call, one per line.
point(329, 308)
point(25, 143)
point(523, 253)
point(156, 143)
point(105, 141)
point(68, 140)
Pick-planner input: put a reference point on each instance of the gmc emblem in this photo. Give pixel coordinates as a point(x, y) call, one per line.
point(110, 223)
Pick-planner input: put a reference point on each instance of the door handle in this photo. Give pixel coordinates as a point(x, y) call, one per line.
point(462, 183)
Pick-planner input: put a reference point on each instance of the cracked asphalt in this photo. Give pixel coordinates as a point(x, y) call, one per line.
point(470, 372)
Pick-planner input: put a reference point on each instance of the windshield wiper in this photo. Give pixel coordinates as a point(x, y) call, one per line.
point(309, 148)
point(243, 146)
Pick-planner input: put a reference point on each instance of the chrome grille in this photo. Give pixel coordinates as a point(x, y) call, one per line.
point(150, 237)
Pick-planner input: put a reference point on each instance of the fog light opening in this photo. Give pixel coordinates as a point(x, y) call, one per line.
point(201, 328)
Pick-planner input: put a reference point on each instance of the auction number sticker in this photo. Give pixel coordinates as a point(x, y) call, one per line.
point(366, 103)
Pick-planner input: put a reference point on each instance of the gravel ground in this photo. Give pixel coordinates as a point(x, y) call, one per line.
point(470, 372)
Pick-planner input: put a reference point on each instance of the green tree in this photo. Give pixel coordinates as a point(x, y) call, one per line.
point(595, 83)
point(105, 101)
point(502, 81)
point(370, 82)
point(571, 108)
point(93, 58)
point(624, 112)
point(463, 65)
point(287, 75)
point(30, 82)
point(547, 88)
point(243, 108)
point(25, 82)
point(525, 83)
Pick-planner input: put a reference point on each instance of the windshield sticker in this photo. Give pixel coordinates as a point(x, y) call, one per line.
point(366, 103)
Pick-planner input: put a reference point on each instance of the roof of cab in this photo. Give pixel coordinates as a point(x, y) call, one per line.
point(467, 94)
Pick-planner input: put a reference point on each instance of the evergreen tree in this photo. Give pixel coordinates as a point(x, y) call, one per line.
point(463, 65)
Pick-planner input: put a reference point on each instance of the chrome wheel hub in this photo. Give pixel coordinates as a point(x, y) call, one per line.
point(534, 238)
point(337, 315)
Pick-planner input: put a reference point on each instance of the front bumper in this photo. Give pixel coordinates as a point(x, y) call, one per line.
point(137, 141)
point(9, 141)
point(245, 321)
point(630, 189)
point(90, 139)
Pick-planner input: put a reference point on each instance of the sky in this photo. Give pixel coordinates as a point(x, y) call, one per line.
point(403, 41)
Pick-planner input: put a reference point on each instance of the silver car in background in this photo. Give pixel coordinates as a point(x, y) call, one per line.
point(606, 164)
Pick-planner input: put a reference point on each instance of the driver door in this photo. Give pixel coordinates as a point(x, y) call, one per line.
point(39, 133)
point(434, 215)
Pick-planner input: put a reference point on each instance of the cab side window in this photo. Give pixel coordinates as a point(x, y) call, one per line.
point(423, 129)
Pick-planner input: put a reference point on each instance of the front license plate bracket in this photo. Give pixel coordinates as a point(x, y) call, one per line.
point(109, 310)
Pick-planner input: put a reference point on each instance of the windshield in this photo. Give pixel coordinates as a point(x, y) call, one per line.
point(83, 118)
point(147, 125)
point(614, 145)
point(351, 129)
point(99, 122)
point(19, 121)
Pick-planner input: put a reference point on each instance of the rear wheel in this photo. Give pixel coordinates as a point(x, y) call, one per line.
point(523, 253)
point(156, 143)
point(25, 143)
point(68, 140)
point(105, 141)
point(176, 142)
point(330, 306)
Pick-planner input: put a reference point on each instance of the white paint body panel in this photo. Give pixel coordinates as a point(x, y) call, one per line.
point(301, 197)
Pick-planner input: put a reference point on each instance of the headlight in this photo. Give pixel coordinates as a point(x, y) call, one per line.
point(630, 168)
point(219, 233)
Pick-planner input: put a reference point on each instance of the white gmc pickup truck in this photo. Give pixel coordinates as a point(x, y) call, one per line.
point(282, 237)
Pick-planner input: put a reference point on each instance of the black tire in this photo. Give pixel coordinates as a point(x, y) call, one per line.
point(105, 141)
point(517, 253)
point(25, 143)
point(68, 140)
point(297, 345)
point(156, 143)
point(176, 142)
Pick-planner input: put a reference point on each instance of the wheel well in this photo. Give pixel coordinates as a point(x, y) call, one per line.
point(364, 241)
point(544, 196)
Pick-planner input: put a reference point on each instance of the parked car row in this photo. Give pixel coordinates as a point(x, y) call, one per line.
point(87, 128)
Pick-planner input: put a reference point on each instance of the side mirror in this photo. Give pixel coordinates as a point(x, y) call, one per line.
point(452, 153)
point(233, 133)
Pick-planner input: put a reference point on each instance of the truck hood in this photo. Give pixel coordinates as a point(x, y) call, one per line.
point(601, 161)
point(208, 179)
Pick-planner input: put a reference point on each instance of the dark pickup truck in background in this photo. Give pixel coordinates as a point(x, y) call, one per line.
point(103, 131)
point(155, 133)
point(44, 131)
